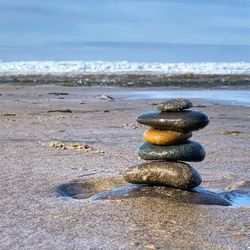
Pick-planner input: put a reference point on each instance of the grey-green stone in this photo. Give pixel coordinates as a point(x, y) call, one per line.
point(173, 174)
point(177, 104)
point(189, 151)
point(185, 121)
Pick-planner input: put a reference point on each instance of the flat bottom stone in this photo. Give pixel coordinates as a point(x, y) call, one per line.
point(173, 174)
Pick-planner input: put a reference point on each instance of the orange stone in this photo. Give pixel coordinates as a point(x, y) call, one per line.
point(165, 137)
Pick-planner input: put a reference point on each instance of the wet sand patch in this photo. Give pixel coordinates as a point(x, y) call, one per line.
point(111, 188)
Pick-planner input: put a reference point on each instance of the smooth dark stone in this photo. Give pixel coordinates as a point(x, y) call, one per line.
point(177, 104)
point(173, 174)
point(189, 151)
point(185, 121)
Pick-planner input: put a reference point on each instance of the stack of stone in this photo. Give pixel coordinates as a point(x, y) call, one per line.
point(167, 146)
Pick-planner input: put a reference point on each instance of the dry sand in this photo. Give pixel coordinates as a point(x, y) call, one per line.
point(33, 216)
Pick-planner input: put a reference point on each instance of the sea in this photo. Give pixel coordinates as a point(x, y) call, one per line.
point(159, 31)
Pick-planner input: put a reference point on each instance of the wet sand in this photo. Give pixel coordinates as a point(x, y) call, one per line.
point(131, 80)
point(35, 216)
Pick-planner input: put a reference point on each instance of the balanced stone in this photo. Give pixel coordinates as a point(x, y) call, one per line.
point(165, 137)
point(178, 104)
point(189, 151)
point(185, 121)
point(174, 174)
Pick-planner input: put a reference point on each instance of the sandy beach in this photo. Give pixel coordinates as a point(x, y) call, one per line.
point(41, 131)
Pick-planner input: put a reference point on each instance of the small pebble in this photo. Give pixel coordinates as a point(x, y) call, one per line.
point(177, 104)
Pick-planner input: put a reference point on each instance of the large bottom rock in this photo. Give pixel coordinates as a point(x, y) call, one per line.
point(189, 151)
point(173, 174)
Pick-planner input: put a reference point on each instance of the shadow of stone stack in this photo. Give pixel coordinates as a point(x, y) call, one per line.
point(167, 146)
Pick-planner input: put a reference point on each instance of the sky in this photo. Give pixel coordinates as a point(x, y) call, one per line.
point(135, 30)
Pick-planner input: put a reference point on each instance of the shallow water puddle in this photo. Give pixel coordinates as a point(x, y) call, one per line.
point(238, 197)
point(233, 97)
point(112, 188)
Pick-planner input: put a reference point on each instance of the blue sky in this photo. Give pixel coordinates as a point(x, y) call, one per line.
point(29, 24)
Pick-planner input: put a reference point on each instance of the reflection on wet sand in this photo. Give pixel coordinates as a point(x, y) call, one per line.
point(112, 188)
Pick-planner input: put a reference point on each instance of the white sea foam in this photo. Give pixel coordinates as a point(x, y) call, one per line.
point(82, 67)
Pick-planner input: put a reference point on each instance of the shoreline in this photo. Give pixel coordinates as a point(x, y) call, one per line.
point(235, 96)
point(130, 80)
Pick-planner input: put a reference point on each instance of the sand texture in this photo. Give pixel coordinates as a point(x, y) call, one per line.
point(54, 135)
